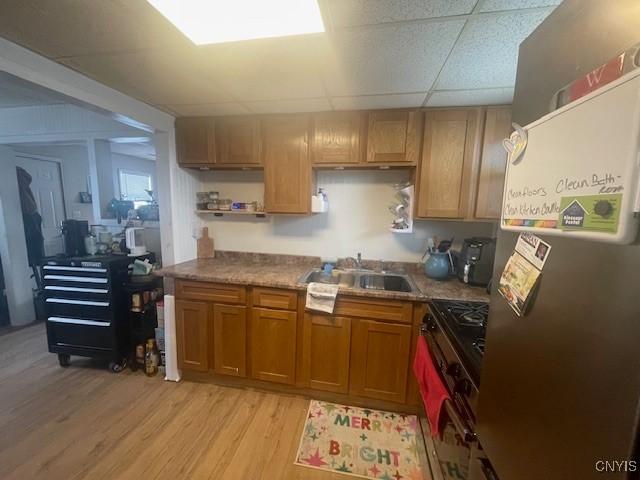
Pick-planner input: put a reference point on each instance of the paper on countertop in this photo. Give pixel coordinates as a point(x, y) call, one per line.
point(321, 296)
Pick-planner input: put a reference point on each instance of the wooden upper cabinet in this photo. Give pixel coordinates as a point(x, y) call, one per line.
point(238, 141)
point(392, 137)
point(380, 360)
point(195, 141)
point(325, 352)
point(230, 340)
point(287, 170)
point(336, 138)
point(450, 154)
point(273, 345)
point(493, 163)
point(192, 335)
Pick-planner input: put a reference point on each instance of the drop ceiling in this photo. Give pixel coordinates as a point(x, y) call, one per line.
point(375, 54)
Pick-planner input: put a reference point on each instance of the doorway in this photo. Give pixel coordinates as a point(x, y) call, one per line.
point(46, 185)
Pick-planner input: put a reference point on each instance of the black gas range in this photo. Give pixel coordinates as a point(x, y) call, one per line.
point(465, 324)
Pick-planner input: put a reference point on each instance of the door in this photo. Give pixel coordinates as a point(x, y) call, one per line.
point(392, 137)
point(46, 185)
point(336, 138)
point(192, 335)
point(273, 345)
point(493, 163)
point(287, 171)
point(238, 141)
point(195, 141)
point(230, 340)
point(325, 352)
point(449, 160)
point(380, 360)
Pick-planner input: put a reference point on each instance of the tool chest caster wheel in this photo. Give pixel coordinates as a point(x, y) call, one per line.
point(117, 367)
point(64, 360)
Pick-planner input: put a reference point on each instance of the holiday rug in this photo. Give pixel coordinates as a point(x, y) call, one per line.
point(360, 442)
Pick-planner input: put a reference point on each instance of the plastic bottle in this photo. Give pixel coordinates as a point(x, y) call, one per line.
point(151, 359)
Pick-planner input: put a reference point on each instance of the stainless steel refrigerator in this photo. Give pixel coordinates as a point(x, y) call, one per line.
point(560, 387)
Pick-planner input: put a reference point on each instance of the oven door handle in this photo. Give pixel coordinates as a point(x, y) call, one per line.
point(468, 435)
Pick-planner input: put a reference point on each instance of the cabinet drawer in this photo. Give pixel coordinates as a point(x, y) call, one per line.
point(374, 308)
point(275, 298)
point(215, 292)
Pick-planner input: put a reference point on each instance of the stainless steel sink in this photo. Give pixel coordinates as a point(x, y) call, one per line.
point(364, 279)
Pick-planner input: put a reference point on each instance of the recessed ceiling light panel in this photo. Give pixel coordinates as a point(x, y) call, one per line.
point(219, 21)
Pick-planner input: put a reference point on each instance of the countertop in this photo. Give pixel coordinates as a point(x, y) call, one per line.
point(285, 271)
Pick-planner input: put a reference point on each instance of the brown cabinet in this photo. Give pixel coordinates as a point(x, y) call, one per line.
point(450, 154)
point(325, 352)
point(493, 163)
point(336, 138)
point(392, 137)
point(273, 345)
point(230, 340)
point(238, 141)
point(380, 360)
point(287, 170)
point(195, 141)
point(192, 335)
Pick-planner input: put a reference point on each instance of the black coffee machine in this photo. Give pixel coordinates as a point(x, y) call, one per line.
point(475, 265)
point(73, 233)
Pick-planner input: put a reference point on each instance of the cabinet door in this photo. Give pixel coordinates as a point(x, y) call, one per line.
point(325, 356)
point(336, 138)
point(287, 171)
point(380, 360)
point(230, 340)
point(392, 137)
point(192, 335)
point(449, 163)
point(493, 163)
point(273, 345)
point(238, 141)
point(195, 141)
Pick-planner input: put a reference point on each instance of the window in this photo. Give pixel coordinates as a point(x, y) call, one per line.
point(133, 186)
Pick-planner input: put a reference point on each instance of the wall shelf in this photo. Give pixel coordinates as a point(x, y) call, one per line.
point(221, 213)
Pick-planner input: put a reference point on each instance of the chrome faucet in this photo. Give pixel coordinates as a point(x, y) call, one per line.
point(357, 260)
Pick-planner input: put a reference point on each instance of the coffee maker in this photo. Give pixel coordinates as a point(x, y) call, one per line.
point(475, 265)
point(73, 233)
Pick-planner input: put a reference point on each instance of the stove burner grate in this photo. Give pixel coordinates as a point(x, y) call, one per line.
point(478, 346)
point(469, 313)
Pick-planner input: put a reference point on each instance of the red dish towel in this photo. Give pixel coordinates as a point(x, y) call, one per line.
point(432, 389)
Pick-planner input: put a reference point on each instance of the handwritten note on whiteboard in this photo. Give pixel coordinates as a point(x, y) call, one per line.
point(579, 173)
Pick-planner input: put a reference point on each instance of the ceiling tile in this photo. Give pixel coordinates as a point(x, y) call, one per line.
point(498, 5)
point(204, 109)
point(460, 98)
point(400, 100)
point(156, 77)
point(71, 28)
point(290, 106)
point(387, 59)
point(486, 54)
point(346, 13)
point(266, 69)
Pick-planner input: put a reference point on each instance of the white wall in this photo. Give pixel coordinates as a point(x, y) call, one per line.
point(75, 170)
point(357, 221)
point(13, 246)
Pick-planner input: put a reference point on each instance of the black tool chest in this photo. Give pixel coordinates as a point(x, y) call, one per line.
point(87, 308)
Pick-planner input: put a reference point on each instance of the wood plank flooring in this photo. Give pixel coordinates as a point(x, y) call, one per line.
point(85, 422)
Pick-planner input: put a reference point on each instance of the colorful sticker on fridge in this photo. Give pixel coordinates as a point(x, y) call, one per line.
point(596, 213)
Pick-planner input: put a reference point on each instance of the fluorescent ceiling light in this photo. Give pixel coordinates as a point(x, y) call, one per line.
point(219, 21)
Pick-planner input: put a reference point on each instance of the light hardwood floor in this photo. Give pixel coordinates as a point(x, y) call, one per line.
point(85, 422)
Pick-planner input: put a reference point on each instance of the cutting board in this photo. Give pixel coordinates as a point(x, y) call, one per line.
point(205, 245)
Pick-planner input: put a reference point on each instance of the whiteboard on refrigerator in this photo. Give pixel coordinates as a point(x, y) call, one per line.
point(579, 173)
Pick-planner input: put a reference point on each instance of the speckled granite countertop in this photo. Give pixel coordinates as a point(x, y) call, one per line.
point(286, 271)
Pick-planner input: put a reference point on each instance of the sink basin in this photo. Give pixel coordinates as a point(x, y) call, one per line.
point(392, 283)
point(342, 279)
point(367, 280)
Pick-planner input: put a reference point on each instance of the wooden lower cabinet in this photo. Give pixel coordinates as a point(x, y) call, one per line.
point(325, 352)
point(230, 340)
point(380, 360)
point(273, 345)
point(192, 335)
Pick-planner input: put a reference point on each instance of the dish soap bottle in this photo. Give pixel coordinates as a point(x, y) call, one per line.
point(151, 359)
